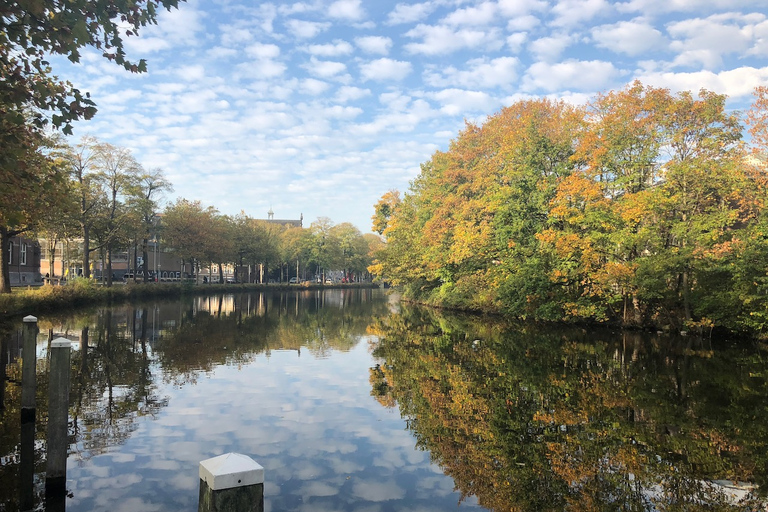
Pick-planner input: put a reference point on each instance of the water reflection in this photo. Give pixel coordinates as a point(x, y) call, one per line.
point(502, 418)
point(158, 387)
point(577, 420)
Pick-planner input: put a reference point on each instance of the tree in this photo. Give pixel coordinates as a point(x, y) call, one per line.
point(189, 230)
point(144, 197)
point(28, 192)
point(31, 31)
point(31, 98)
point(384, 209)
point(118, 174)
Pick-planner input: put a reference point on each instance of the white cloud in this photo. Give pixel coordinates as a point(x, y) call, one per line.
point(306, 29)
point(735, 83)
point(705, 41)
point(325, 68)
point(629, 37)
point(480, 15)
point(349, 93)
point(589, 76)
point(521, 8)
point(263, 51)
point(410, 13)
point(334, 49)
point(456, 102)
point(374, 44)
point(346, 9)
point(523, 23)
point(665, 6)
point(219, 52)
point(193, 73)
point(441, 39)
point(314, 87)
point(550, 48)
point(144, 45)
point(570, 13)
point(385, 70)
point(479, 73)
point(515, 41)
point(760, 44)
point(234, 36)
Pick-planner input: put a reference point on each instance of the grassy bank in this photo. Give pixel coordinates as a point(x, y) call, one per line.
point(82, 292)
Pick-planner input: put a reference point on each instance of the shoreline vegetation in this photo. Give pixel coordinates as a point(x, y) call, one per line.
point(644, 208)
point(83, 292)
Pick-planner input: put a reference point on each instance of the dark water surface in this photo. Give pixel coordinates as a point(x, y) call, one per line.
point(353, 402)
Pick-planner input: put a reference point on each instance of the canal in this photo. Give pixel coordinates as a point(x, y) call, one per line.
point(354, 402)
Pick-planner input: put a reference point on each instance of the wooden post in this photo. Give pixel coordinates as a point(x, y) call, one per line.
point(3, 370)
point(58, 418)
point(231, 483)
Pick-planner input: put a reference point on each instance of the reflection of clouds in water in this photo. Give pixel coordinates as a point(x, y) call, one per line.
point(307, 471)
point(134, 504)
point(118, 481)
point(324, 442)
point(162, 465)
point(377, 491)
point(118, 458)
point(318, 489)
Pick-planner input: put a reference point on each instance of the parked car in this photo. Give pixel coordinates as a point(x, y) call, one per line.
point(294, 280)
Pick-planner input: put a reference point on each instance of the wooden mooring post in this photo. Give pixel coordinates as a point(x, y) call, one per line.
point(28, 408)
point(58, 418)
point(231, 483)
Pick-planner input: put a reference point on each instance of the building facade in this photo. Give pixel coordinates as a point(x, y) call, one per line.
point(23, 255)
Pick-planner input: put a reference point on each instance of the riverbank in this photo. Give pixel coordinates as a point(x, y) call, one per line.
point(82, 292)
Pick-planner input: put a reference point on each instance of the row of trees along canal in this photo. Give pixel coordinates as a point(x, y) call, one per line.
point(106, 202)
point(643, 207)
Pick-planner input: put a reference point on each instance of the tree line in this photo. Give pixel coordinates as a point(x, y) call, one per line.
point(642, 207)
point(100, 196)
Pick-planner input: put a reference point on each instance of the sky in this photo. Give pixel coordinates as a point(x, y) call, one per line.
point(318, 108)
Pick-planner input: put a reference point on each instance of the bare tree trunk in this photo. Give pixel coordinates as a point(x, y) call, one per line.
point(109, 265)
point(145, 256)
point(86, 251)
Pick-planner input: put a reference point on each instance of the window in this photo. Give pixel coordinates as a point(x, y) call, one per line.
point(23, 258)
point(10, 253)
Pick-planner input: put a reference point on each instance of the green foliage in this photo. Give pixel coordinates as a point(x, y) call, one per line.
point(642, 209)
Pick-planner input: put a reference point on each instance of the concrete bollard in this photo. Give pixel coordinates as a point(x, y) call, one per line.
point(231, 483)
point(58, 418)
point(28, 370)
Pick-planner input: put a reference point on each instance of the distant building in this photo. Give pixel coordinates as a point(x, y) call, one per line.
point(285, 222)
point(23, 255)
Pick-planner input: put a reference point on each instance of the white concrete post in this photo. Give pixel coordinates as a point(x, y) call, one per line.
point(231, 483)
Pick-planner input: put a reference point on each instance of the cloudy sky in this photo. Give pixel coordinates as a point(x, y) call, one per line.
point(319, 107)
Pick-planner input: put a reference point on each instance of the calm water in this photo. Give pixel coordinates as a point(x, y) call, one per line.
point(353, 402)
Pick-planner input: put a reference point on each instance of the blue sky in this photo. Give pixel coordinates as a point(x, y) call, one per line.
point(320, 107)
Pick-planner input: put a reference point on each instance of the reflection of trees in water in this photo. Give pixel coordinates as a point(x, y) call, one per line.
point(113, 383)
point(529, 420)
point(255, 323)
point(123, 351)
